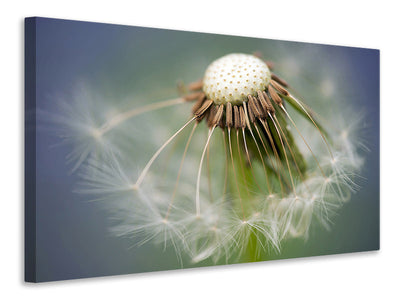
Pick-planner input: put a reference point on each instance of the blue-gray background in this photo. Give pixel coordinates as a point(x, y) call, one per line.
point(72, 234)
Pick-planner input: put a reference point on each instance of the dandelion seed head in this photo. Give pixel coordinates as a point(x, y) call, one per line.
point(233, 77)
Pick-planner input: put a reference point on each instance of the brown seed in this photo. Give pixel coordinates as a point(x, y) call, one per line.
point(181, 87)
point(251, 113)
point(236, 116)
point(258, 54)
point(193, 96)
point(211, 116)
point(269, 64)
point(218, 115)
point(279, 88)
point(254, 107)
point(274, 96)
point(229, 115)
point(197, 85)
point(221, 123)
point(279, 80)
point(262, 108)
point(242, 117)
point(198, 103)
point(200, 113)
point(265, 103)
point(271, 107)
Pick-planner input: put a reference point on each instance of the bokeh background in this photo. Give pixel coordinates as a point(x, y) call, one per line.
point(72, 233)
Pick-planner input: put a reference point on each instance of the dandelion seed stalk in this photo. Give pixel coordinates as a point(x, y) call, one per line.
point(265, 187)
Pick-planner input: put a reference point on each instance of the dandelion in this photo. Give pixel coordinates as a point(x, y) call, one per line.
point(258, 176)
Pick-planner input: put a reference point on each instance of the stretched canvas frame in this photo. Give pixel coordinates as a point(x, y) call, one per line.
point(143, 153)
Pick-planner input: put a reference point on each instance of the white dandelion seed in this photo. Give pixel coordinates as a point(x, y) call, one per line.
point(255, 177)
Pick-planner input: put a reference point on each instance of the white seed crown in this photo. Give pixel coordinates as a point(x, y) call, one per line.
point(233, 77)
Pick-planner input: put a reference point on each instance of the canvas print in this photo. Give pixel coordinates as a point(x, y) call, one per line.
point(150, 149)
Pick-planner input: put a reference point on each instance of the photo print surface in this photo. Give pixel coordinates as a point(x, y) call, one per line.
point(151, 149)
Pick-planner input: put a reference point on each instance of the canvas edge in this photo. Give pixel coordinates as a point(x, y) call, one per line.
point(30, 150)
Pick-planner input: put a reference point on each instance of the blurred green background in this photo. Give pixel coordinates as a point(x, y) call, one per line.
point(73, 240)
